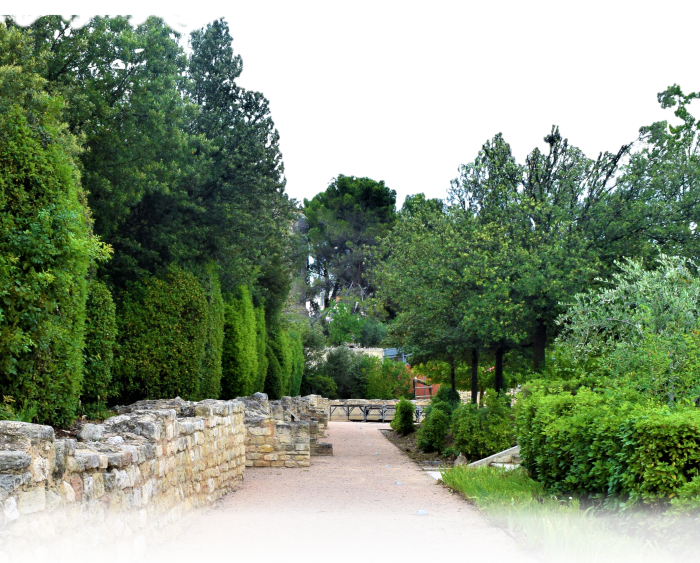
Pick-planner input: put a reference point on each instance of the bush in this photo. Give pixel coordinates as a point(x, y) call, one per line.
point(297, 350)
point(372, 333)
point(345, 368)
point(100, 336)
point(403, 417)
point(162, 331)
point(46, 245)
point(481, 432)
point(614, 446)
point(239, 360)
point(445, 399)
point(274, 385)
point(261, 347)
point(433, 431)
point(281, 346)
point(210, 383)
point(385, 379)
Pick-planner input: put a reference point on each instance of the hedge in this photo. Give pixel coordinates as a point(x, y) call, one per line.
point(481, 432)
point(261, 347)
point(211, 372)
point(240, 354)
point(46, 246)
point(100, 336)
point(162, 332)
point(608, 446)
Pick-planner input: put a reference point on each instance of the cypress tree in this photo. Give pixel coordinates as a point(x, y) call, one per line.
point(210, 383)
point(261, 344)
point(240, 355)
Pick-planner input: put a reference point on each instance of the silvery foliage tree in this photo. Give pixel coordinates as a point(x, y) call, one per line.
point(643, 331)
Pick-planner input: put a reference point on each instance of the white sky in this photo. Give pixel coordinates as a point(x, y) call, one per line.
point(405, 91)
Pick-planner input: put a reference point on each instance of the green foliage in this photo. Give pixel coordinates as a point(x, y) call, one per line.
point(385, 379)
point(433, 431)
point(403, 421)
point(446, 399)
point(481, 432)
point(642, 331)
point(344, 325)
point(100, 337)
point(210, 383)
point(240, 351)
point(315, 381)
point(46, 245)
point(162, 333)
point(274, 380)
point(345, 368)
point(297, 359)
point(345, 224)
point(261, 348)
point(372, 333)
point(616, 446)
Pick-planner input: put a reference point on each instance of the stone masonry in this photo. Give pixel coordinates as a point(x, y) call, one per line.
point(132, 476)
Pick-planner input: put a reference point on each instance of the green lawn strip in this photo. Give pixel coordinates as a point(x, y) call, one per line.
point(556, 528)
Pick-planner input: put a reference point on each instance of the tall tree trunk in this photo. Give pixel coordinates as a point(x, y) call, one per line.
point(498, 379)
point(539, 342)
point(453, 377)
point(475, 375)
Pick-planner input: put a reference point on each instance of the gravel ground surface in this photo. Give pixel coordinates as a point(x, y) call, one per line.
point(344, 508)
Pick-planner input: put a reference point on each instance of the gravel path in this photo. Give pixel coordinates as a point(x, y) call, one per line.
point(343, 508)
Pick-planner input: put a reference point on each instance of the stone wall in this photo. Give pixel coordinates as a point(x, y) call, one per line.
point(284, 433)
point(122, 479)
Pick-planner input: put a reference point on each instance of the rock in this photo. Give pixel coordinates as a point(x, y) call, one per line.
point(461, 460)
point(91, 433)
point(10, 508)
point(14, 462)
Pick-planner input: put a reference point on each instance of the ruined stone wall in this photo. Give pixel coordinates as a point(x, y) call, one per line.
point(284, 433)
point(136, 472)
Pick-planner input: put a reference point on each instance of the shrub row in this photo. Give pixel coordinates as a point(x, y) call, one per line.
point(610, 446)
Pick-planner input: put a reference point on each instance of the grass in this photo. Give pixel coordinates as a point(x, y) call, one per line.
point(557, 529)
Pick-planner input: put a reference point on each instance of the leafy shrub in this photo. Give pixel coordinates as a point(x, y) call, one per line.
point(385, 379)
point(210, 382)
point(615, 446)
point(445, 399)
point(433, 431)
point(297, 350)
point(274, 384)
point(345, 368)
point(100, 336)
point(46, 245)
point(261, 347)
point(481, 432)
point(372, 333)
point(162, 330)
point(640, 332)
point(239, 359)
point(403, 417)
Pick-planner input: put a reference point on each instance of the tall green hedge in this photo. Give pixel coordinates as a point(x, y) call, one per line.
point(45, 243)
point(297, 359)
point(100, 335)
point(210, 382)
point(608, 445)
point(162, 327)
point(240, 353)
point(281, 347)
point(274, 380)
point(261, 347)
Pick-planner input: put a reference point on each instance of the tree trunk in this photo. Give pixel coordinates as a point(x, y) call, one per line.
point(475, 375)
point(453, 377)
point(539, 342)
point(498, 379)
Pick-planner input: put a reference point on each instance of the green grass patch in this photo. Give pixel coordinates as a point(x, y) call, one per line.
point(559, 530)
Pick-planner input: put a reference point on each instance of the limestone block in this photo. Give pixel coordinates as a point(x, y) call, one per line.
point(33, 500)
point(265, 448)
point(261, 463)
point(10, 509)
point(270, 457)
point(14, 461)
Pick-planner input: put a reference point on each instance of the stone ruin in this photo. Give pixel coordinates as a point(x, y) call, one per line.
point(124, 481)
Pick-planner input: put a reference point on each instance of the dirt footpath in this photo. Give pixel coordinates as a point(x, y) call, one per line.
point(344, 508)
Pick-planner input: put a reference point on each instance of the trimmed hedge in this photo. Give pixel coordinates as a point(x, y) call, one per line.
point(608, 446)
point(210, 382)
point(279, 378)
point(240, 353)
point(162, 326)
point(274, 379)
point(46, 246)
point(261, 347)
point(100, 336)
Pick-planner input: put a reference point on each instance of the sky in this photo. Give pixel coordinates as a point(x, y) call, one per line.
point(406, 92)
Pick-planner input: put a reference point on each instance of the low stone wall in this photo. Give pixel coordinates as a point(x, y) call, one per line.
point(284, 433)
point(125, 478)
